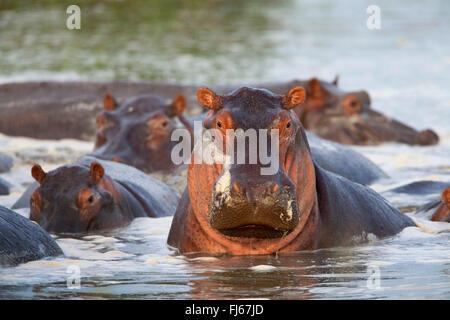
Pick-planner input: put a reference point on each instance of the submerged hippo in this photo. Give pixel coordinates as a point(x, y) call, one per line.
point(57, 110)
point(22, 240)
point(346, 117)
point(138, 132)
point(236, 208)
point(439, 209)
point(92, 195)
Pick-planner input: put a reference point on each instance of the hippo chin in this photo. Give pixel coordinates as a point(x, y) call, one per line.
point(92, 195)
point(239, 208)
point(138, 132)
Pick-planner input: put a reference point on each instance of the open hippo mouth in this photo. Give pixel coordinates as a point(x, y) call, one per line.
point(260, 216)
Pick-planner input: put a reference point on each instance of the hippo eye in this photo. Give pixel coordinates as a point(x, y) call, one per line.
point(353, 104)
point(288, 125)
point(164, 124)
point(219, 124)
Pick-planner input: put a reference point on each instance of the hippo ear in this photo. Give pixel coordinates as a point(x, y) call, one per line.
point(209, 99)
point(314, 88)
point(178, 105)
point(109, 103)
point(38, 173)
point(294, 97)
point(97, 172)
point(336, 80)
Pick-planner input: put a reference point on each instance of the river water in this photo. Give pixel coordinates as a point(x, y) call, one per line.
point(405, 66)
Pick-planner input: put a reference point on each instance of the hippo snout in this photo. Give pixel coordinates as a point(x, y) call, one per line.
point(260, 210)
point(427, 137)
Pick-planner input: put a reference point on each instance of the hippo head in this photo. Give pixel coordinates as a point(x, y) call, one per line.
point(74, 198)
point(347, 117)
point(442, 213)
point(251, 206)
point(138, 133)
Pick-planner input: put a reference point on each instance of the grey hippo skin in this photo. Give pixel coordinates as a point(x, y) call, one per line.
point(4, 187)
point(438, 209)
point(57, 110)
point(336, 158)
point(22, 240)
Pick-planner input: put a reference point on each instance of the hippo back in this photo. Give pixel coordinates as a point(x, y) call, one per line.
point(351, 213)
point(22, 240)
point(335, 158)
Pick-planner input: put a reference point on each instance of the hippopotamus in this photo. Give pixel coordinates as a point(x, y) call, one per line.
point(22, 240)
point(58, 110)
point(246, 207)
point(138, 132)
point(92, 195)
point(438, 209)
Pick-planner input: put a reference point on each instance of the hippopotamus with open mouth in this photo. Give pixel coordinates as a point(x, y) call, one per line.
point(238, 208)
point(347, 117)
point(92, 195)
point(138, 131)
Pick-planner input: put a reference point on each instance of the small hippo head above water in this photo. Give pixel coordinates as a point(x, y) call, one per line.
point(138, 132)
point(347, 117)
point(74, 198)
